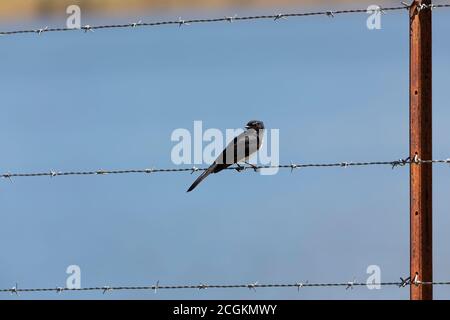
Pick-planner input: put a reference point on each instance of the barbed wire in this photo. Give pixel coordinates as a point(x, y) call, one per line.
point(181, 22)
point(402, 283)
point(292, 167)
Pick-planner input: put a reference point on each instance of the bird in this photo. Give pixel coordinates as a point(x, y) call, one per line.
point(238, 150)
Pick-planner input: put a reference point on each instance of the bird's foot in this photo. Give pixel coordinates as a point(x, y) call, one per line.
point(239, 168)
point(253, 166)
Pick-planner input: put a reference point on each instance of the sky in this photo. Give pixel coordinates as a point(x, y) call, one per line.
point(111, 100)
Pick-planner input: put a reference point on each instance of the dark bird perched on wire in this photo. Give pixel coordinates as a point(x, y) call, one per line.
point(238, 150)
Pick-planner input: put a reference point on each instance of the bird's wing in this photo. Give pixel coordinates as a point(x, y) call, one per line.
point(240, 148)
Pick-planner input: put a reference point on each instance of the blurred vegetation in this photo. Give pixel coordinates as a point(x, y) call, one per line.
point(12, 9)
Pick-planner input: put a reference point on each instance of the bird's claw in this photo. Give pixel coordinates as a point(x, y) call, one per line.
point(255, 168)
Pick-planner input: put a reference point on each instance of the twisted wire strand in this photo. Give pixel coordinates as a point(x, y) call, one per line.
point(253, 286)
point(181, 22)
point(292, 166)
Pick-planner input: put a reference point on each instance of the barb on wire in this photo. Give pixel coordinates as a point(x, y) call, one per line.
point(381, 10)
point(194, 169)
point(293, 166)
point(7, 176)
point(279, 16)
point(350, 285)
point(40, 31)
point(134, 24)
point(395, 163)
point(231, 18)
point(156, 286)
point(14, 290)
point(106, 289)
point(252, 286)
point(87, 28)
point(401, 162)
point(300, 285)
point(181, 22)
point(404, 282)
point(202, 286)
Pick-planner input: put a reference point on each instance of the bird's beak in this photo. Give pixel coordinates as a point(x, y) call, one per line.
point(247, 127)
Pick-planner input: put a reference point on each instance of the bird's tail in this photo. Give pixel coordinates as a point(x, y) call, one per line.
point(204, 174)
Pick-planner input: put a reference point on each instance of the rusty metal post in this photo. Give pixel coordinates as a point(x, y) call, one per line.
point(421, 249)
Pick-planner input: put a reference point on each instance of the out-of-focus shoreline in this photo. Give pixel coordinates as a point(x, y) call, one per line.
point(24, 9)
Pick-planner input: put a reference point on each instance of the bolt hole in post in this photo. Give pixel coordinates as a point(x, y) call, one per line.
point(416, 92)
